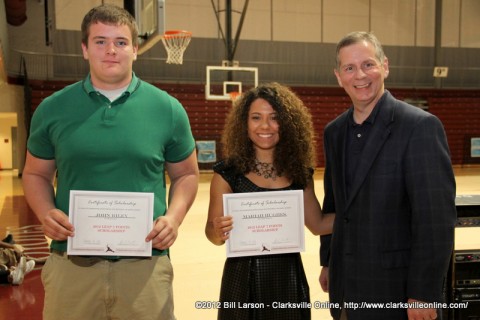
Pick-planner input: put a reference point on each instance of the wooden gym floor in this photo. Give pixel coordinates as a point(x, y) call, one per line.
point(197, 263)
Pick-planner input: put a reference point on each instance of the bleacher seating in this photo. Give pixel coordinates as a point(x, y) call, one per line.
point(459, 111)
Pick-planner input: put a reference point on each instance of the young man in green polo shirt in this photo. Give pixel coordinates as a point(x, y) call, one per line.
point(110, 132)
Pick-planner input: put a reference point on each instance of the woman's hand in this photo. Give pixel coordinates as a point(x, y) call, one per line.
point(222, 227)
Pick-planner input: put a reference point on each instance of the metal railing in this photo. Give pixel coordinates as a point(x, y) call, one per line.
point(43, 66)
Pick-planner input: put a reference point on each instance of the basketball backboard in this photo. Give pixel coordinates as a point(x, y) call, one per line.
point(222, 80)
point(150, 17)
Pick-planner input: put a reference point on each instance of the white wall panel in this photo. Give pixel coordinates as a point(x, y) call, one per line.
point(470, 35)
point(195, 16)
point(450, 23)
point(344, 16)
point(258, 21)
point(297, 22)
point(393, 21)
point(69, 13)
point(425, 20)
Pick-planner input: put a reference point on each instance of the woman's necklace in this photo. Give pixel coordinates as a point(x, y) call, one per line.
point(265, 169)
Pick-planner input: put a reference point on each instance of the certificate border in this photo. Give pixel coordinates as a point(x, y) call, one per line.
point(147, 248)
point(266, 195)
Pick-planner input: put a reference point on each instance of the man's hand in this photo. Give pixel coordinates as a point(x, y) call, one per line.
point(56, 225)
point(420, 313)
point(222, 226)
point(164, 233)
point(323, 279)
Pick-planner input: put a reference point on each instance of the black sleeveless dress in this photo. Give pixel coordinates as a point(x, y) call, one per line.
point(271, 281)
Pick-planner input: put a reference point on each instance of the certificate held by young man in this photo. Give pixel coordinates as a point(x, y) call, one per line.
point(269, 222)
point(110, 223)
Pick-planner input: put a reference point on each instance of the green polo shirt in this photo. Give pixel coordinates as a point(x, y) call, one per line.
point(100, 145)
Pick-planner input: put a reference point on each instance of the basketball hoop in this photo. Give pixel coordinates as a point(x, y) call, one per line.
point(234, 95)
point(175, 42)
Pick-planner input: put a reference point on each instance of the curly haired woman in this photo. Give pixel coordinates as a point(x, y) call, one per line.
point(268, 145)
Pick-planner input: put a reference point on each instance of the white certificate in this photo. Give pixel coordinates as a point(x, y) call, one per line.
point(110, 223)
point(265, 222)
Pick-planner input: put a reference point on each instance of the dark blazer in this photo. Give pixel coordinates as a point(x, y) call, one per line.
point(393, 235)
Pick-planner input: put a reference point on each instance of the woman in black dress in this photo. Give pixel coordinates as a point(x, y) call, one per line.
point(268, 145)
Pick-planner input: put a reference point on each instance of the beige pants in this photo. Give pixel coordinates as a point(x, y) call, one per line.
point(93, 288)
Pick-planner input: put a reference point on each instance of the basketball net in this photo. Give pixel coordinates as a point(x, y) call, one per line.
point(234, 95)
point(175, 42)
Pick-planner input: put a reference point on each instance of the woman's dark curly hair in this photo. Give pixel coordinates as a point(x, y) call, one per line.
point(294, 155)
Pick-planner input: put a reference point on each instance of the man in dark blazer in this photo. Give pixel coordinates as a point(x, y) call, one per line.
point(389, 179)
